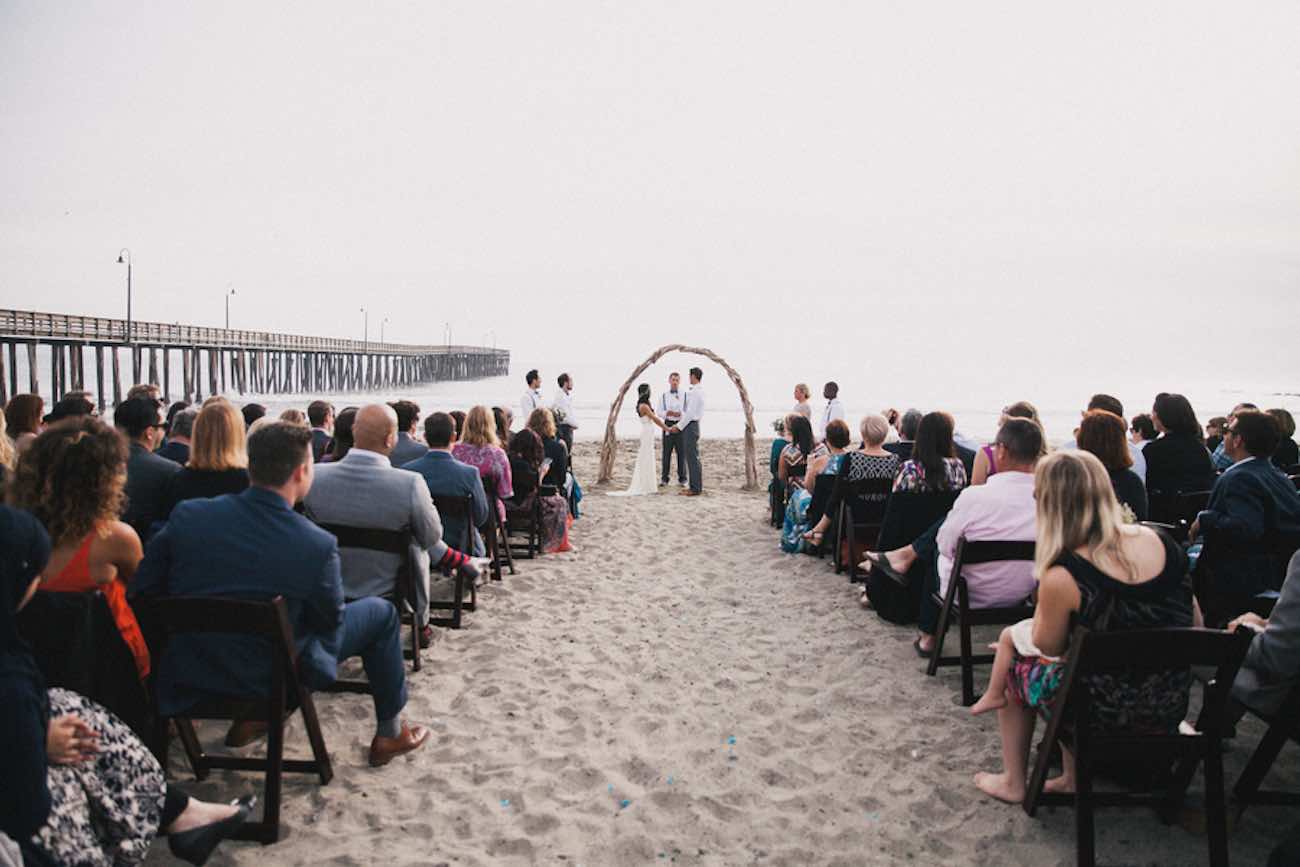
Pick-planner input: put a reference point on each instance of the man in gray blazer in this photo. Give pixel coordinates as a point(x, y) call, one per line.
point(1271, 668)
point(408, 446)
point(365, 490)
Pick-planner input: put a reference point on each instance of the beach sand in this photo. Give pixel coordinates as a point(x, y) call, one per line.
point(679, 691)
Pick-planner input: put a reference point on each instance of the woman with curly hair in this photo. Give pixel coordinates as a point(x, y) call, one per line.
point(71, 478)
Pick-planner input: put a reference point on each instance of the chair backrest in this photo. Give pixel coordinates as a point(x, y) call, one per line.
point(462, 509)
point(1170, 507)
point(970, 553)
point(871, 487)
point(370, 538)
point(908, 515)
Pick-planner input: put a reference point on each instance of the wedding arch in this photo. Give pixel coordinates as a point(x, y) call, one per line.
point(609, 447)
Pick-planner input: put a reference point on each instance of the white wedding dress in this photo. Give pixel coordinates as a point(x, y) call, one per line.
point(644, 478)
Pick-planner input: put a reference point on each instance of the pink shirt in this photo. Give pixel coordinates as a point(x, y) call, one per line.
point(1001, 509)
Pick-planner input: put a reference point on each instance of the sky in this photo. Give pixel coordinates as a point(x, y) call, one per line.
point(953, 191)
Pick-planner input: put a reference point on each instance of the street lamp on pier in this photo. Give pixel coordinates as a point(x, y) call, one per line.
point(124, 258)
point(228, 294)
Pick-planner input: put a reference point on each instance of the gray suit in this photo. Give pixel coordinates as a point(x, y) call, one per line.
point(408, 449)
point(1272, 665)
point(364, 490)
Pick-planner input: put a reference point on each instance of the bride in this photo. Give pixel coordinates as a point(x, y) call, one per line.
point(644, 478)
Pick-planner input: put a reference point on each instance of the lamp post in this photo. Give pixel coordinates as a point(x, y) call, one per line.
point(124, 258)
point(228, 294)
point(446, 333)
point(381, 329)
point(365, 329)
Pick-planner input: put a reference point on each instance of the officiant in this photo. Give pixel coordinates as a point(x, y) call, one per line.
point(670, 410)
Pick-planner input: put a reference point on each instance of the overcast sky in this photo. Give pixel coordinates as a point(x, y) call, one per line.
point(1114, 179)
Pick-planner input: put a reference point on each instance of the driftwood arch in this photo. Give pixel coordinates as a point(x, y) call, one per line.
point(609, 448)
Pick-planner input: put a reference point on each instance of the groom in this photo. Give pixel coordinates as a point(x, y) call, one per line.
point(689, 425)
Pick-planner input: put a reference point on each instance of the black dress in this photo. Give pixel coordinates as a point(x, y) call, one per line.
point(1130, 491)
point(1178, 463)
point(559, 456)
point(192, 484)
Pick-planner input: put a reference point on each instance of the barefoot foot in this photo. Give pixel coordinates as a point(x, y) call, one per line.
point(1000, 787)
point(1063, 785)
point(988, 702)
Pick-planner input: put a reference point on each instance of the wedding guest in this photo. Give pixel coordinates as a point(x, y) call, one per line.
point(801, 405)
point(1252, 507)
point(532, 398)
point(1271, 668)
point(1102, 433)
point(23, 419)
point(148, 391)
point(218, 461)
point(341, 441)
point(447, 477)
point(70, 406)
point(458, 417)
point(671, 403)
point(1142, 431)
point(1177, 461)
point(1114, 405)
point(1213, 432)
point(562, 405)
point(794, 458)
point(147, 475)
point(985, 465)
point(79, 787)
point(1110, 577)
point(72, 479)
point(906, 426)
point(320, 414)
point(833, 411)
point(1218, 456)
point(179, 430)
point(252, 412)
point(294, 416)
point(542, 423)
point(8, 457)
point(409, 447)
point(504, 419)
point(1288, 453)
point(526, 456)
point(478, 447)
point(826, 463)
point(934, 465)
point(869, 462)
point(253, 545)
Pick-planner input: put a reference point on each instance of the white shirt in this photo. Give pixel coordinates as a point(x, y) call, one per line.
point(670, 406)
point(692, 406)
point(834, 411)
point(1001, 509)
point(563, 403)
point(531, 400)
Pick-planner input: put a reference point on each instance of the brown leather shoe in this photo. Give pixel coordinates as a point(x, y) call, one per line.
point(244, 732)
point(689, 493)
point(384, 750)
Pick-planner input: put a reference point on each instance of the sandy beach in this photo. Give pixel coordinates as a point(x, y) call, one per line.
point(679, 691)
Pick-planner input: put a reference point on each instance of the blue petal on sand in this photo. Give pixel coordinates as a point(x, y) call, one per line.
point(505, 802)
point(625, 803)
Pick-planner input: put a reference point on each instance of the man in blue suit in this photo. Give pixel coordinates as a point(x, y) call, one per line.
point(448, 477)
point(1251, 524)
point(254, 546)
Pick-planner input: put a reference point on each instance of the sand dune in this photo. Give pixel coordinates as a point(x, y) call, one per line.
point(679, 691)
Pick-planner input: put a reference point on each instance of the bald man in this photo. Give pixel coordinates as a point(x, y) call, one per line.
point(365, 490)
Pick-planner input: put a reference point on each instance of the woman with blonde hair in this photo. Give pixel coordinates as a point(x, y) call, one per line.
point(294, 416)
point(1113, 577)
point(218, 461)
point(72, 478)
point(479, 448)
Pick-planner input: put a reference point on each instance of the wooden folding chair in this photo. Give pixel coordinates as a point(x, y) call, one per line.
point(1126, 653)
point(861, 527)
point(461, 508)
point(1283, 726)
point(169, 617)
point(907, 515)
point(956, 604)
point(1175, 512)
point(497, 536)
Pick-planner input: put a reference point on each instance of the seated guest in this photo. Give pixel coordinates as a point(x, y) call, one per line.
point(365, 490)
point(526, 457)
point(294, 416)
point(23, 419)
point(779, 442)
point(1002, 509)
point(1177, 461)
point(542, 423)
point(1142, 430)
point(341, 442)
point(1271, 668)
point(1113, 405)
point(985, 465)
point(1253, 513)
point(933, 465)
point(320, 415)
point(179, 430)
point(408, 446)
point(1288, 453)
point(1111, 577)
point(252, 412)
point(459, 418)
point(70, 406)
point(476, 445)
point(218, 457)
point(906, 425)
point(793, 462)
point(254, 546)
point(66, 799)
point(869, 462)
point(448, 477)
point(71, 479)
point(148, 391)
point(147, 475)
point(176, 406)
point(1213, 432)
point(8, 457)
point(827, 463)
point(1218, 456)
point(1102, 433)
point(503, 418)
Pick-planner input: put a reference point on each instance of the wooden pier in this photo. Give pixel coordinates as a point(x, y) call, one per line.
point(217, 359)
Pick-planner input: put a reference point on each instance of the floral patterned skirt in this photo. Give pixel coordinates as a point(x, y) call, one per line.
point(1033, 681)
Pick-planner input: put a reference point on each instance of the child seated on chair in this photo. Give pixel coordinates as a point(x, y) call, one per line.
point(1015, 646)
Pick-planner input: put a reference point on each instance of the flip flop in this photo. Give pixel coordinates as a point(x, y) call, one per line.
point(916, 645)
point(878, 560)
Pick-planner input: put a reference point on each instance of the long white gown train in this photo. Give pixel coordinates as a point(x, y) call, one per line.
point(644, 478)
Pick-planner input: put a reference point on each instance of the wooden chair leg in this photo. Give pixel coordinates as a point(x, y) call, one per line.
point(415, 642)
point(193, 750)
point(1260, 761)
point(1216, 818)
point(967, 652)
point(324, 769)
point(941, 631)
point(1083, 806)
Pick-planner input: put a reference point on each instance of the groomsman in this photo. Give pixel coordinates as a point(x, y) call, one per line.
point(670, 410)
point(532, 398)
point(834, 410)
point(562, 406)
point(692, 413)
